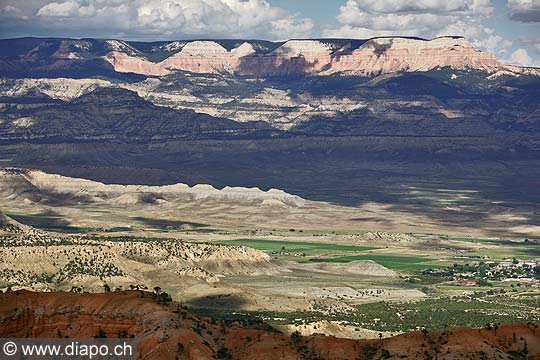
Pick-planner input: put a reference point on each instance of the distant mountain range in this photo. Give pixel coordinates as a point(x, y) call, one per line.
point(120, 115)
point(336, 119)
point(108, 114)
point(83, 57)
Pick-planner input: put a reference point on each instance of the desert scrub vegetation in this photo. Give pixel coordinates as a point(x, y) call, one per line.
point(37, 238)
point(433, 314)
point(90, 267)
point(35, 257)
point(468, 311)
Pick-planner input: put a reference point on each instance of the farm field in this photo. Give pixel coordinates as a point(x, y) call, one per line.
point(395, 262)
point(296, 246)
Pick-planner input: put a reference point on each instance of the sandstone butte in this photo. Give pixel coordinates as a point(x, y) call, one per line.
point(160, 329)
point(315, 57)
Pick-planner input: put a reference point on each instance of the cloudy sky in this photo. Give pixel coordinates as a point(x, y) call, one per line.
point(509, 28)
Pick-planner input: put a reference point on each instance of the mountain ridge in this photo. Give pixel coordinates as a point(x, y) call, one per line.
point(319, 129)
point(115, 113)
point(314, 57)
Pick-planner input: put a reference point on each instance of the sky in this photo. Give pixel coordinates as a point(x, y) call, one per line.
point(508, 28)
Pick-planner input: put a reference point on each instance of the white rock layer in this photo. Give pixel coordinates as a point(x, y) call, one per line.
point(375, 56)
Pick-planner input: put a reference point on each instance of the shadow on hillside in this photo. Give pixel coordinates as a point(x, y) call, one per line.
point(168, 224)
point(346, 171)
point(48, 220)
point(227, 307)
point(218, 302)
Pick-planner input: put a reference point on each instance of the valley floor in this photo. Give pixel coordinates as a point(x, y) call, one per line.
point(242, 254)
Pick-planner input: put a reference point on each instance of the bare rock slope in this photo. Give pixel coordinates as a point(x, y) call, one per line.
point(38, 186)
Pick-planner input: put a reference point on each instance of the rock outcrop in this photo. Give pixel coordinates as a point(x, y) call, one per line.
point(34, 57)
point(316, 57)
point(38, 260)
point(170, 332)
point(39, 186)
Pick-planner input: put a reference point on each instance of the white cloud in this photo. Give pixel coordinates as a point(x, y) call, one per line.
point(300, 27)
point(422, 18)
point(56, 9)
point(413, 15)
point(180, 18)
point(521, 57)
point(524, 10)
point(409, 14)
point(348, 31)
point(10, 11)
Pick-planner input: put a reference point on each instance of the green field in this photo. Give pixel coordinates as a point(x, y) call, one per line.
point(293, 246)
point(325, 252)
point(405, 263)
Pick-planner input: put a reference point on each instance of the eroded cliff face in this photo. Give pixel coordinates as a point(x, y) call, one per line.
point(389, 55)
point(159, 329)
point(314, 57)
